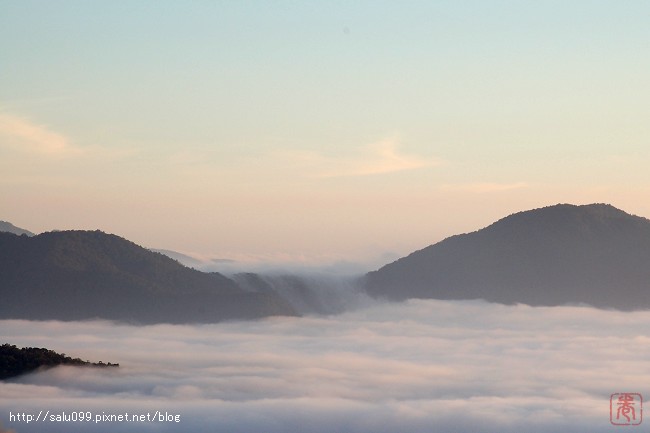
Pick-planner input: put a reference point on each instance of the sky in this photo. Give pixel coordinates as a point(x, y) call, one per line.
point(317, 132)
point(423, 365)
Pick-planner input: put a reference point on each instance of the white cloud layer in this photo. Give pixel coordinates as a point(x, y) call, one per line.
point(433, 366)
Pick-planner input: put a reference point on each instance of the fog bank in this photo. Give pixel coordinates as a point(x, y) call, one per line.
point(425, 365)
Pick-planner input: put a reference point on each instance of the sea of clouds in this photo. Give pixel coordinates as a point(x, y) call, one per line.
point(419, 366)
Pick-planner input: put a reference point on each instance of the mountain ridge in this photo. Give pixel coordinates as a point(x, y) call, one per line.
point(79, 275)
point(6, 226)
point(594, 254)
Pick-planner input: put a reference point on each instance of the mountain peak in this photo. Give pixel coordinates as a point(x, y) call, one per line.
point(79, 275)
point(6, 226)
point(595, 254)
point(563, 213)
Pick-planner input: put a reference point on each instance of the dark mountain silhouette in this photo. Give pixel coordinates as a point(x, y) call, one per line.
point(594, 254)
point(10, 228)
point(77, 275)
point(15, 361)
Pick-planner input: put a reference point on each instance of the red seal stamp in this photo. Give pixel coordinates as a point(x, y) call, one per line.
point(626, 408)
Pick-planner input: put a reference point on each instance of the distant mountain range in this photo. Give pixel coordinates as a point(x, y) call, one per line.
point(563, 254)
point(183, 259)
point(78, 275)
point(10, 228)
point(593, 254)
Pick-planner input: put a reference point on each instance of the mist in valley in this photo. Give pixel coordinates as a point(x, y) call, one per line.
point(422, 365)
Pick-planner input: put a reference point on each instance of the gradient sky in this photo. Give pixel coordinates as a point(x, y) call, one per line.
point(313, 132)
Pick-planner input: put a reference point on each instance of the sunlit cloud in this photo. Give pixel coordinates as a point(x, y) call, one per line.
point(484, 187)
point(23, 134)
point(374, 159)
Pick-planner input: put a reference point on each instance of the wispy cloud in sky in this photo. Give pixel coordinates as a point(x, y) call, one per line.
point(26, 135)
point(377, 158)
point(299, 137)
